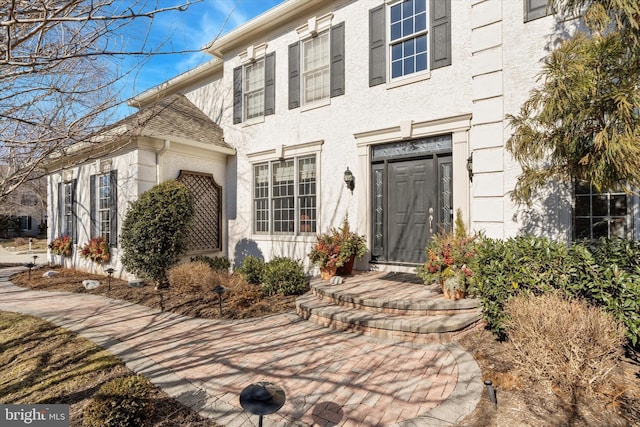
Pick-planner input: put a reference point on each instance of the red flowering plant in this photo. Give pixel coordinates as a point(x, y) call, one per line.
point(97, 250)
point(451, 258)
point(61, 245)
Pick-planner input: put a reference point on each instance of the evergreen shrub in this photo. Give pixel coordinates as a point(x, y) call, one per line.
point(284, 276)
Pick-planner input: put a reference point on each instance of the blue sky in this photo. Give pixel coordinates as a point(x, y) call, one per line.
point(189, 30)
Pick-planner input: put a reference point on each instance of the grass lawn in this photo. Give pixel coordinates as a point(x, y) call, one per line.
point(21, 244)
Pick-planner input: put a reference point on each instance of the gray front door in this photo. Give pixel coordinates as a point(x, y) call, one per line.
point(411, 201)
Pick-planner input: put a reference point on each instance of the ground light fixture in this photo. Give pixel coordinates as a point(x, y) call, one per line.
point(30, 265)
point(349, 180)
point(219, 290)
point(109, 272)
point(35, 257)
point(262, 398)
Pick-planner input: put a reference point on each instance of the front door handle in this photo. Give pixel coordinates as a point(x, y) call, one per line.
point(430, 220)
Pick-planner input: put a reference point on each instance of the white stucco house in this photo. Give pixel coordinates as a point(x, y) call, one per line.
point(409, 96)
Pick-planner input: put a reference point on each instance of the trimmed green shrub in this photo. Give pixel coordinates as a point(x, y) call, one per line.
point(252, 269)
point(284, 276)
point(155, 230)
point(122, 402)
point(605, 273)
point(220, 263)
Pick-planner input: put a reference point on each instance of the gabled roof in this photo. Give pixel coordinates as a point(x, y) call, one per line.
point(172, 118)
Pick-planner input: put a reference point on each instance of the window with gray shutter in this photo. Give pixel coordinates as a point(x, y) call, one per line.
point(377, 46)
point(270, 84)
point(440, 33)
point(237, 95)
point(534, 9)
point(294, 75)
point(337, 60)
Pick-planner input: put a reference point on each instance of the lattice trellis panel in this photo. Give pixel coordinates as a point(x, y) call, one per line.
point(205, 232)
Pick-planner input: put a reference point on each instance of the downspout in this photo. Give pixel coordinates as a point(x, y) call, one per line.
point(159, 155)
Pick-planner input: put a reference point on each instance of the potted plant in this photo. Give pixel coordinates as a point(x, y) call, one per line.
point(337, 249)
point(61, 245)
point(451, 258)
point(97, 250)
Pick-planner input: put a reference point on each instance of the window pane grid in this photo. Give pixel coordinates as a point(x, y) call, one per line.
point(315, 68)
point(307, 192)
point(284, 196)
point(254, 90)
point(600, 214)
point(408, 27)
point(104, 206)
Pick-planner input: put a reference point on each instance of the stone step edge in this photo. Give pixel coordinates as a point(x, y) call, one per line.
point(437, 304)
point(306, 308)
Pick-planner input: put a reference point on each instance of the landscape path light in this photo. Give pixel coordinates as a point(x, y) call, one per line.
point(109, 272)
point(219, 290)
point(262, 398)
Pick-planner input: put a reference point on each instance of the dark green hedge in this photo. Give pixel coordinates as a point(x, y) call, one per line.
point(605, 272)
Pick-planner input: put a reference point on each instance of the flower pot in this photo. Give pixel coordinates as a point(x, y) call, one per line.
point(454, 295)
point(327, 273)
point(346, 268)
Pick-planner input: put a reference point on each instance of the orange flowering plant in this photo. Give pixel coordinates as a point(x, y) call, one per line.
point(97, 250)
point(61, 245)
point(451, 257)
point(335, 248)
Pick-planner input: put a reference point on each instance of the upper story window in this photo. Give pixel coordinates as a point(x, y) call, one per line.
point(408, 38)
point(598, 215)
point(254, 85)
point(315, 68)
point(254, 90)
point(534, 9)
point(316, 63)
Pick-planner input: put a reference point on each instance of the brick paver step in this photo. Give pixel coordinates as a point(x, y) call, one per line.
point(399, 327)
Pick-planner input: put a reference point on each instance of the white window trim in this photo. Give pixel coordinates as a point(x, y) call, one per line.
point(252, 54)
point(413, 77)
point(259, 118)
point(287, 152)
point(314, 26)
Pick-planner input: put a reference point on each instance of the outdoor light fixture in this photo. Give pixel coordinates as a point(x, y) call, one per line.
point(34, 258)
point(470, 166)
point(109, 272)
point(219, 290)
point(262, 398)
point(349, 180)
point(30, 265)
point(491, 392)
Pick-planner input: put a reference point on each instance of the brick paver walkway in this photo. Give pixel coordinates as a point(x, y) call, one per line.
point(330, 378)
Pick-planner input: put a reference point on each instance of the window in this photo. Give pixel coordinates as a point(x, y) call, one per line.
point(315, 69)
point(284, 196)
point(534, 9)
point(104, 206)
point(25, 223)
point(408, 38)
point(67, 209)
point(316, 63)
point(254, 88)
point(598, 215)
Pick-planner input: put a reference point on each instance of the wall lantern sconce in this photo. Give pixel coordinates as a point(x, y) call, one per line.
point(349, 180)
point(470, 166)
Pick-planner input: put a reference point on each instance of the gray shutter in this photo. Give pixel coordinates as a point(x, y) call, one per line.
point(113, 206)
point(237, 95)
point(440, 33)
point(270, 84)
point(93, 220)
point(377, 46)
point(294, 75)
point(60, 209)
point(74, 212)
point(534, 9)
point(337, 60)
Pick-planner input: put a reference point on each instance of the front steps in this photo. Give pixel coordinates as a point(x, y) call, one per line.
point(370, 304)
